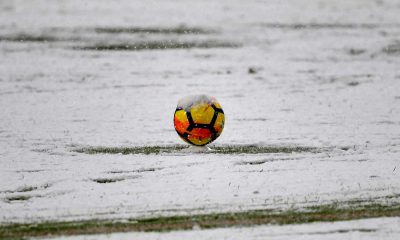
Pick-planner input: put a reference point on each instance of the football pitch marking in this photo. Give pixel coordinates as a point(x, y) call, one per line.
point(338, 211)
point(221, 149)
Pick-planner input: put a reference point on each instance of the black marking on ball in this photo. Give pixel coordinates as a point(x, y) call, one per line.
point(214, 136)
point(200, 125)
point(214, 118)
point(185, 136)
point(217, 109)
point(191, 122)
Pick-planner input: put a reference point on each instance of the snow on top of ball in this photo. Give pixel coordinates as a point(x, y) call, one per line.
point(187, 102)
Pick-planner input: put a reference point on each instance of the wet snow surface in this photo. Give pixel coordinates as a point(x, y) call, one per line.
point(311, 73)
point(382, 228)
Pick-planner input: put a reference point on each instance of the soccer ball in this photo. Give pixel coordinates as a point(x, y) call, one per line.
point(199, 119)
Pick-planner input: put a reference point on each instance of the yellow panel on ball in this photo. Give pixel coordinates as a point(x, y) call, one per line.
point(202, 113)
point(219, 123)
point(217, 104)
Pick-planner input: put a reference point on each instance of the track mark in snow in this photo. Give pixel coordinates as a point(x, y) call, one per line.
point(39, 38)
point(392, 49)
point(31, 171)
point(355, 51)
point(17, 198)
point(339, 231)
point(153, 30)
point(135, 170)
point(49, 35)
point(113, 180)
point(322, 26)
point(251, 119)
point(26, 189)
point(256, 162)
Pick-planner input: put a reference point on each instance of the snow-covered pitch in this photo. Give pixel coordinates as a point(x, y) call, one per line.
point(75, 74)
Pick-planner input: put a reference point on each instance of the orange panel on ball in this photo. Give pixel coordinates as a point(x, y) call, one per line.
point(180, 121)
point(201, 133)
point(200, 136)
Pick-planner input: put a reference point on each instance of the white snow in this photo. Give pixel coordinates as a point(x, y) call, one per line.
point(376, 228)
point(329, 85)
point(188, 101)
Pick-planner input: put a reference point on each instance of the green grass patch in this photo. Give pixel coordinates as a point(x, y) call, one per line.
point(223, 149)
point(322, 213)
point(254, 149)
point(28, 38)
point(50, 37)
point(153, 30)
point(156, 45)
point(37, 38)
point(131, 150)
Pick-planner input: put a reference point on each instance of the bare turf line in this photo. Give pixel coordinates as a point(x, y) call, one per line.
point(226, 149)
point(322, 213)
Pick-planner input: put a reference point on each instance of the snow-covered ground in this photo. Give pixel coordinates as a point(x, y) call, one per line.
point(310, 73)
point(379, 228)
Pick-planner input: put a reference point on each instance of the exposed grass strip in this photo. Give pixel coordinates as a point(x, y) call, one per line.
point(153, 30)
point(131, 150)
point(324, 213)
point(223, 149)
point(37, 38)
point(254, 149)
point(156, 45)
